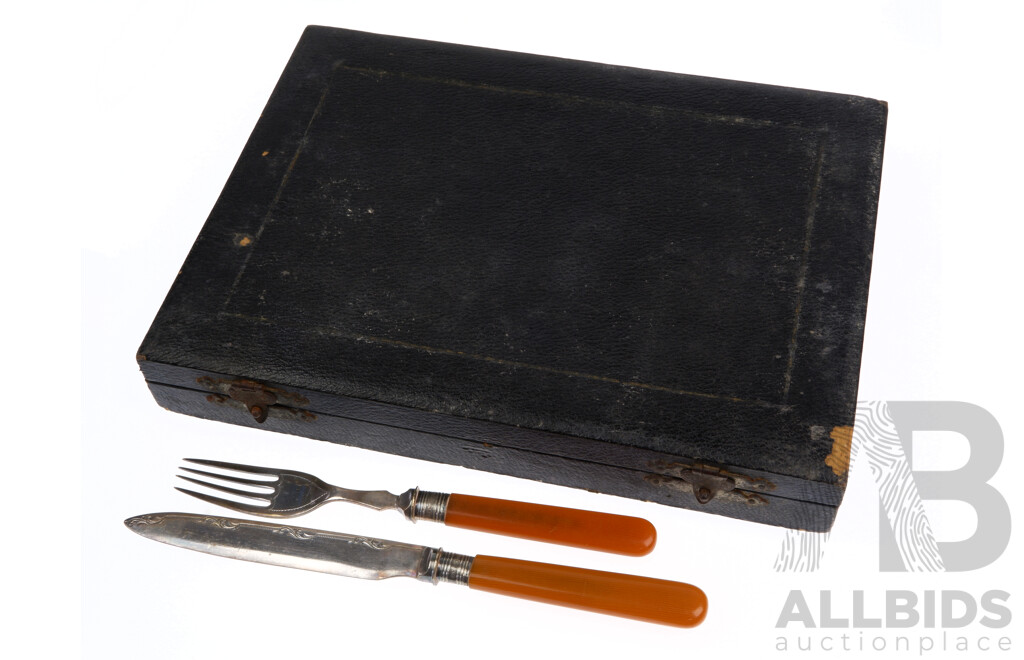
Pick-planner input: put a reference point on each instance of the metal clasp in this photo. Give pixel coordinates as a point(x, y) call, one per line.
point(255, 398)
point(707, 482)
point(258, 399)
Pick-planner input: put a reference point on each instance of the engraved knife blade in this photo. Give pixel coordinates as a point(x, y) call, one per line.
point(631, 596)
point(293, 547)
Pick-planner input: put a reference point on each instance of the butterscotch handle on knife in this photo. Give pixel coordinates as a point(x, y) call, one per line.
point(539, 522)
point(630, 596)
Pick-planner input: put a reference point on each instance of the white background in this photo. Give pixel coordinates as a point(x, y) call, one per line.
point(121, 122)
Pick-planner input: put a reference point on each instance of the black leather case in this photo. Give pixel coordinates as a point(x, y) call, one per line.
point(640, 283)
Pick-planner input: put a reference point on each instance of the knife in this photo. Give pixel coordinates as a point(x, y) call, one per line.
point(630, 596)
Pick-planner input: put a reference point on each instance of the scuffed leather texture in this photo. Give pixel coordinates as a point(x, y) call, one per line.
point(646, 260)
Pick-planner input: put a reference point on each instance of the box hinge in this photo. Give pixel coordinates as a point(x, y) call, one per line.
point(258, 399)
point(707, 482)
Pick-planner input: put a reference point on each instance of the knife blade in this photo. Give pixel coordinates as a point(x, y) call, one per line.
point(636, 597)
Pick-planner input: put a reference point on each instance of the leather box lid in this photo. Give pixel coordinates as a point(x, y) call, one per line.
point(647, 260)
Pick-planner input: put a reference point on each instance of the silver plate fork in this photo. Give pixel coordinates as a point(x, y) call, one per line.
point(287, 493)
point(291, 493)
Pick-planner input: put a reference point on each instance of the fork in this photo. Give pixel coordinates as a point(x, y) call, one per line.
point(291, 493)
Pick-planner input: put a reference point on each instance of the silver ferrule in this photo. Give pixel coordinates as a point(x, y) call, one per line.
point(448, 567)
point(423, 505)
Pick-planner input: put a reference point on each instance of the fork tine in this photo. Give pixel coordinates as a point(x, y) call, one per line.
point(224, 489)
point(235, 506)
point(225, 477)
point(237, 467)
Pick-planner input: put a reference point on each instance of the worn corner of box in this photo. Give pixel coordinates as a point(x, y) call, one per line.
point(838, 459)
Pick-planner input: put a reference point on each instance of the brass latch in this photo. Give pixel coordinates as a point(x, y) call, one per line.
point(706, 485)
point(707, 482)
point(258, 399)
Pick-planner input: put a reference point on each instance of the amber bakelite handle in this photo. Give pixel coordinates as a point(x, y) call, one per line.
point(630, 596)
point(591, 530)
